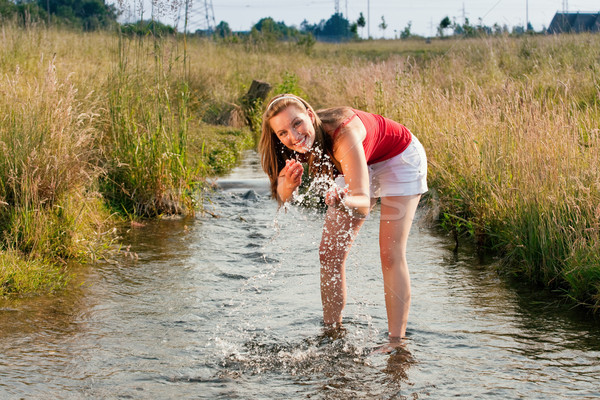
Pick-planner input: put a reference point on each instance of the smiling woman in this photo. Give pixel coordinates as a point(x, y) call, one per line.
point(371, 157)
point(288, 134)
point(294, 126)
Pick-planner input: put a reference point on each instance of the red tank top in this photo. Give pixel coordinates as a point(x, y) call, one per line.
point(385, 138)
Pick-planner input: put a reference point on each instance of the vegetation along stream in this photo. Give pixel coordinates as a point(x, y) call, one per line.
point(226, 305)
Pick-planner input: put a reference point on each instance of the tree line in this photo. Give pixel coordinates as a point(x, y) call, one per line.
point(97, 14)
point(466, 29)
point(85, 14)
point(336, 28)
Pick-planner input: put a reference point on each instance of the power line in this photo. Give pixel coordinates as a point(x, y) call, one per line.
point(202, 14)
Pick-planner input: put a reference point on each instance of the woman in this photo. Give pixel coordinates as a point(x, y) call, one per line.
point(371, 157)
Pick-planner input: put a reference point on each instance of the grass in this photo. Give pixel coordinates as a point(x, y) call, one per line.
point(87, 139)
point(511, 127)
point(20, 275)
point(147, 173)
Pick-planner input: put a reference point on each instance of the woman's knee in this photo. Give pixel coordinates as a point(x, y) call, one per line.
point(333, 252)
point(392, 258)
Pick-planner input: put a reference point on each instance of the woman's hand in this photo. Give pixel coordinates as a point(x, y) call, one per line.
point(292, 172)
point(335, 195)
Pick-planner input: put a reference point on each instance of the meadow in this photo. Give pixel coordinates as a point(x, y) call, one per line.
point(98, 128)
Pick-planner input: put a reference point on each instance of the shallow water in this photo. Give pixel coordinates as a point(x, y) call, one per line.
point(226, 305)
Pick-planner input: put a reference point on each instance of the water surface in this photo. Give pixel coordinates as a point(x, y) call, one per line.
point(226, 305)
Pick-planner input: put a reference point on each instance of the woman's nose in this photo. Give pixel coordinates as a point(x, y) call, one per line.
point(295, 135)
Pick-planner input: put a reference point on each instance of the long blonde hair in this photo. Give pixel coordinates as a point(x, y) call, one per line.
point(274, 154)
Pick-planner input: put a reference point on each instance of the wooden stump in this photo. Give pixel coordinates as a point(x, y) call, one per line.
point(258, 90)
point(239, 115)
point(256, 95)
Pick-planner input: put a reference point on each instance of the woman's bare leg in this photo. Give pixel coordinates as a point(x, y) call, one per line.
point(339, 231)
point(397, 214)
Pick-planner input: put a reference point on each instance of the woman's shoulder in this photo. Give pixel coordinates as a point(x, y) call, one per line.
point(331, 118)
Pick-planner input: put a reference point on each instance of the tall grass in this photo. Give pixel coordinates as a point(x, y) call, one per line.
point(512, 132)
point(148, 173)
point(511, 127)
point(47, 170)
point(104, 121)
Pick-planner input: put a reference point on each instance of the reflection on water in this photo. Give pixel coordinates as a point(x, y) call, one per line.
point(227, 305)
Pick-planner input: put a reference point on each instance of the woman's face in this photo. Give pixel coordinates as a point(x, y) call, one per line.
point(294, 128)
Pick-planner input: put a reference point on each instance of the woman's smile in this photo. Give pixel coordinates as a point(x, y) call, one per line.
point(302, 144)
point(294, 128)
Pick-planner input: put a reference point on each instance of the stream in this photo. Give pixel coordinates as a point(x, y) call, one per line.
point(226, 305)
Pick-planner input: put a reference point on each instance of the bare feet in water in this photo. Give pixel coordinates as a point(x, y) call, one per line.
point(334, 331)
point(394, 345)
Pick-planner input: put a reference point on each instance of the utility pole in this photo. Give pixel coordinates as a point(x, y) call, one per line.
point(526, 15)
point(210, 12)
point(368, 19)
point(204, 16)
point(337, 6)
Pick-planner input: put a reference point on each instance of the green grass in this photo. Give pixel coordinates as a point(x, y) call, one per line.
point(511, 127)
point(19, 275)
point(146, 160)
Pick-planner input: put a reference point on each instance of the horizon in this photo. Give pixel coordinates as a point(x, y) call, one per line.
point(424, 17)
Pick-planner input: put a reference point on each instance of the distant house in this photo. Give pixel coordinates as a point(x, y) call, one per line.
point(575, 23)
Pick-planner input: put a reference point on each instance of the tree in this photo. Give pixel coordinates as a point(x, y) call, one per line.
point(444, 24)
point(25, 11)
point(518, 30)
point(223, 30)
point(383, 26)
point(272, 30)
point(469, 30)
point(7, 8)
point(405, 34)
point(497, 29)
point(143, 28)
point(336, 28)
point(361, 22)
point(88, 14)
point(529, 27)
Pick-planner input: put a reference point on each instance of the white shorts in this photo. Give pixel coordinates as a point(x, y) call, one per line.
point(401, 175)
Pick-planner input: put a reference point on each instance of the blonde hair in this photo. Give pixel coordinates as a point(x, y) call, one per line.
point(273, 153)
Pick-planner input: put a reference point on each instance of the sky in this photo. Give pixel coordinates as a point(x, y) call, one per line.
point(424, 15)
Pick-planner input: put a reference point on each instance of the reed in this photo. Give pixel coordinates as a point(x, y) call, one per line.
point(104, 121)
point(511, 127)
point(47, 171)
point(146, 147)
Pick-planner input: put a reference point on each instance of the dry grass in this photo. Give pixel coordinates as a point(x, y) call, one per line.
point(512, 130)
point(511, 125)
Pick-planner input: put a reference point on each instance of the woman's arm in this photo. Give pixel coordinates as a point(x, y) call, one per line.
point(349, 151)
point(289, 179)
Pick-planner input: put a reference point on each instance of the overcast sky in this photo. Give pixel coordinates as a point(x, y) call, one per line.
point(425, 15)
